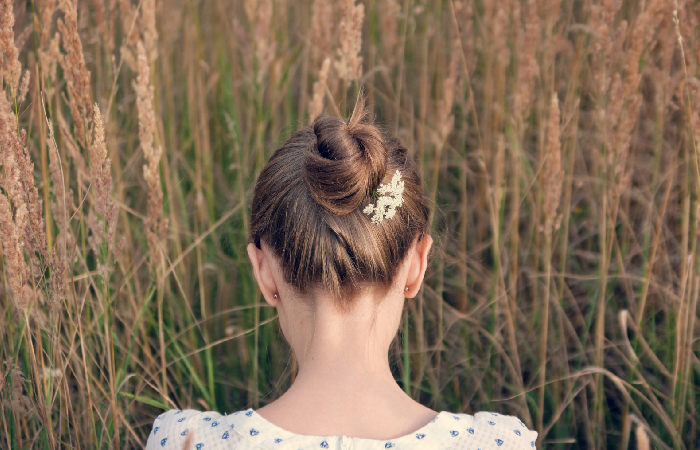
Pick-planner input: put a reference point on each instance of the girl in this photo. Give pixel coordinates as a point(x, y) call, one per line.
point(338, 243)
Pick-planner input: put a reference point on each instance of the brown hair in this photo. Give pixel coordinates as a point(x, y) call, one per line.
point(308, 204)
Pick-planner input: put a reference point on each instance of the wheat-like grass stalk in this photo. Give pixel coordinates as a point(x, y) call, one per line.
point(18, 219)
point(527, 40)
point(75, 71)
point(48, 60)
point(444, 119)
point(19, 185)
point(150, 33)
point(618, 117)
point(23, 87)
point(319, 90)
point(553, 174)
point(155, 224)
point(47, 10)
point(16, 268)
point(464, 16)
point(132, 27)
point(551, 187)
point(263, 37)
point(389, 24)
point(58, 261)
point(349, 62)
point(102, 218)
point(321, 31)
point(35, 232)
point(10, 67)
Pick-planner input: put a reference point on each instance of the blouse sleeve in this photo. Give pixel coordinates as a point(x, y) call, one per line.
point(506, 432)
point(174, 429)
point(194, 430)
point(162, 430)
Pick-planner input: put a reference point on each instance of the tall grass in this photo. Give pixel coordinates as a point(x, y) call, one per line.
point(558, 140)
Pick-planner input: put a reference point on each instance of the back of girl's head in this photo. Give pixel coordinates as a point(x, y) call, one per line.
point(309, 200)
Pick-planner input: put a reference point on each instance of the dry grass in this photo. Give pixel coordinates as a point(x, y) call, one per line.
point(558, 142)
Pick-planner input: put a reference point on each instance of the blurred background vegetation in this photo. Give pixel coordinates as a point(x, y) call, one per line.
point(558, 140)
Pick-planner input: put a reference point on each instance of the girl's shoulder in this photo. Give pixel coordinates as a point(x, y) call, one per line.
point(498, 431)
point(195, 430)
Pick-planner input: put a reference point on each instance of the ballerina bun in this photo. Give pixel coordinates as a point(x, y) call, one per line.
point(347, 162)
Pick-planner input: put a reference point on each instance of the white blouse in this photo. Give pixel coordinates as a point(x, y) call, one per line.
point(247, 430)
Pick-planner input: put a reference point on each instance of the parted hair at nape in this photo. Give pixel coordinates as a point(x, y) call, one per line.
point(308, 202)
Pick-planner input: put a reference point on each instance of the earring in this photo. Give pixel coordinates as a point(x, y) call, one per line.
point(406, 288)
point(275, 296)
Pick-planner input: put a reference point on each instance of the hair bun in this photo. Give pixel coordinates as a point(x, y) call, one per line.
point(347, 163)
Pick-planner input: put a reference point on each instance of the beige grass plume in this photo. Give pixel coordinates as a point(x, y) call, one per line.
point(102, 226)
point(606, 41)
point(553, 173)
point(259, 15)
point(16, 268)
point(316, 103)
point(59, 208)
point(18, 403)
point(464, 13)
point(349, 62)
point(321, 23)
point(47, 9)
point(35, 231)
point(13, 227)
point(388, 23)
point(150, 33)
point(48, 62)
point(444, 118)
point(10, 67)
point(132, 27)
point(624, 96)
point(8, 143)
point(496, 18)
point(23, 87)
point(155, 224)
point(99, 164)
point(527, 40)
point(72, 147)
point(20, 185)
point(75, 71)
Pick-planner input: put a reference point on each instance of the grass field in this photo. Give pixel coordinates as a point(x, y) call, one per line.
point(559, 144)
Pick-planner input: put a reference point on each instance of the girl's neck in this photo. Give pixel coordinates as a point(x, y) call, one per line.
point(337, 345)
point(345, 385)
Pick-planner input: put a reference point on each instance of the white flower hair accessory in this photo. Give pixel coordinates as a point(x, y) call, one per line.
point(391, 197)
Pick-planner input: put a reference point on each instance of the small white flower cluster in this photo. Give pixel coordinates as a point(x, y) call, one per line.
point(391, 198)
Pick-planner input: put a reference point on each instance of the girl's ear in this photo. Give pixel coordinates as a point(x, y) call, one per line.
point(262, 270)
point(419, 264)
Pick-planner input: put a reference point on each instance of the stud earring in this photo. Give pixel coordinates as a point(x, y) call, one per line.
point(407, 288)
point(275, 296)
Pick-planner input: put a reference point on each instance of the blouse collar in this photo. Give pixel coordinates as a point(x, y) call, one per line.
point(257, 429)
